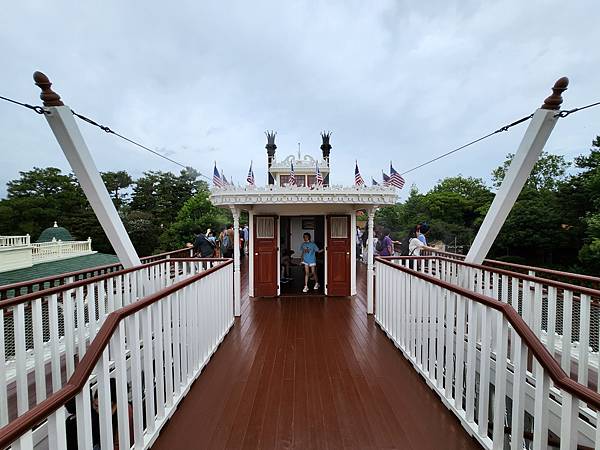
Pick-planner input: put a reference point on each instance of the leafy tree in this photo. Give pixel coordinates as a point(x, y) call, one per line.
point(116, 183)
point(41, 196)
point(547, 173)
point(198, 213)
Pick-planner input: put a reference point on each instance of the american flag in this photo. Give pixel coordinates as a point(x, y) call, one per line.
point(386, 179)
point(224, 180)
point(396, 179)
point(292, 180)
point(358, 181)
point(217, 181)
point(373, 182)
point(319, 176)
point(250, 177)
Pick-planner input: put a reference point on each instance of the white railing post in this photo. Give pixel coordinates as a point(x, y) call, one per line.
point(536, 136)
point(61, 121)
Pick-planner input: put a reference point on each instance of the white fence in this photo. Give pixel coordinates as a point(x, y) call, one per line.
point(140, 363)
point(60, 323)
point(482, 357)
point(14, 241)
point(54, 250)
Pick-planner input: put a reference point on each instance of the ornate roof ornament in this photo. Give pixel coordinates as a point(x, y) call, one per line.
point(325, 146)
point(270, 142)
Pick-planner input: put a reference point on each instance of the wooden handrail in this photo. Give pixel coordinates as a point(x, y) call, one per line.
point(53, 278)
point(66, 287)
point(12, 431)
point(543, 356)
point(575, 276)
point(557, 284)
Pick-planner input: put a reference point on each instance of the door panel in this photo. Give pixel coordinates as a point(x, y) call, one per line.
point(265, 256)
point(338, 255)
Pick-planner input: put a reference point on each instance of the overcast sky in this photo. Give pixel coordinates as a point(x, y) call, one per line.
point(202, 81)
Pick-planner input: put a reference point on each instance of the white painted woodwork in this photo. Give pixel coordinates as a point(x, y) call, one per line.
point(370, 265)
point(532, 144)
point(453, 341)
point(66, 131)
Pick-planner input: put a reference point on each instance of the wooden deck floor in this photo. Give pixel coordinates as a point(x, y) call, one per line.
point(310, 372)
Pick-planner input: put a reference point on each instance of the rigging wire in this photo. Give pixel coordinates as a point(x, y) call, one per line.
point(560, 114)
point(108, 130)
point(37, 109)
point(499, 130)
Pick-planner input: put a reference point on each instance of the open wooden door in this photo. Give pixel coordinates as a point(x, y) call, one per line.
point(265, 256)
point(338, 255)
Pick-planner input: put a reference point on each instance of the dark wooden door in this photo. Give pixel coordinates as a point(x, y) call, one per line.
point(265, 256)
point(338, 255)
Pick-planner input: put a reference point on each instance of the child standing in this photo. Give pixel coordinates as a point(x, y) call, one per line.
point(309, 252)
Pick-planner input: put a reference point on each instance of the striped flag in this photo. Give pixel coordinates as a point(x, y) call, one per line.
point(319, 176)
point(250, 177)
point(224, 180)
point(292, 180)
point(358, 181)
point(373, 182)
point(396, 179)
point(386, 179)
point(217, 181)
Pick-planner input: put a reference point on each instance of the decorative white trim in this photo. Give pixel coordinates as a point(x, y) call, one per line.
point(306, 162)
point(354, 195)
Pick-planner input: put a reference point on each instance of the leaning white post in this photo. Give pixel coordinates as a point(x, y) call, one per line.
point(370, 270)
point(61, 121)
point(529, 150)
point(237, 290)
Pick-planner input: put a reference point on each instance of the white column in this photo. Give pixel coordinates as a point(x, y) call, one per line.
point(353, 253)
point(529, 151)
point(370, 267)
point(61, 121)
point(237, 288)
point(251, 253)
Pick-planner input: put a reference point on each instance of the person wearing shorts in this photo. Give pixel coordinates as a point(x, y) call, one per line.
point(309, 251)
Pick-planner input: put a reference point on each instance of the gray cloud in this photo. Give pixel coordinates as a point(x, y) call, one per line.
point(392, 79)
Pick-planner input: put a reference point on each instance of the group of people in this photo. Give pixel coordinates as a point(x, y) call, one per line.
point(209, 245)
point(384, 245)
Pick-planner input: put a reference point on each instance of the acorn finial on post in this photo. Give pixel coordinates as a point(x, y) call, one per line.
point(48, 96)
point(555, 100)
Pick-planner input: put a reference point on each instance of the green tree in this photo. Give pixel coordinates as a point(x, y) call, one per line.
point(41, 196)
point(198, 213)
point(116, 183)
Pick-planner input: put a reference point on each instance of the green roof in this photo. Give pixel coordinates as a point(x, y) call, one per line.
point(55, 232)
point(57, 267)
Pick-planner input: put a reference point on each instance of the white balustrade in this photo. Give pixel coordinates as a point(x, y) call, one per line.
point(14, 241)
point(47, 333)
point(456, 324)
point(54, 250)
point(155, 346)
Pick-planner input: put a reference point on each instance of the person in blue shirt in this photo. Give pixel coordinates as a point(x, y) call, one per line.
point(422, 230)
point(309, 251)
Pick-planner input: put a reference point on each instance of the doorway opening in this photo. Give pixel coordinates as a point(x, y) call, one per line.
point(292, 229)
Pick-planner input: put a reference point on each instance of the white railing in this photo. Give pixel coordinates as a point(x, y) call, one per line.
point(14, 241)
point(481, 356)
point(58, 324)
point(51, 251)
point(565, 317)
point(138, 367)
